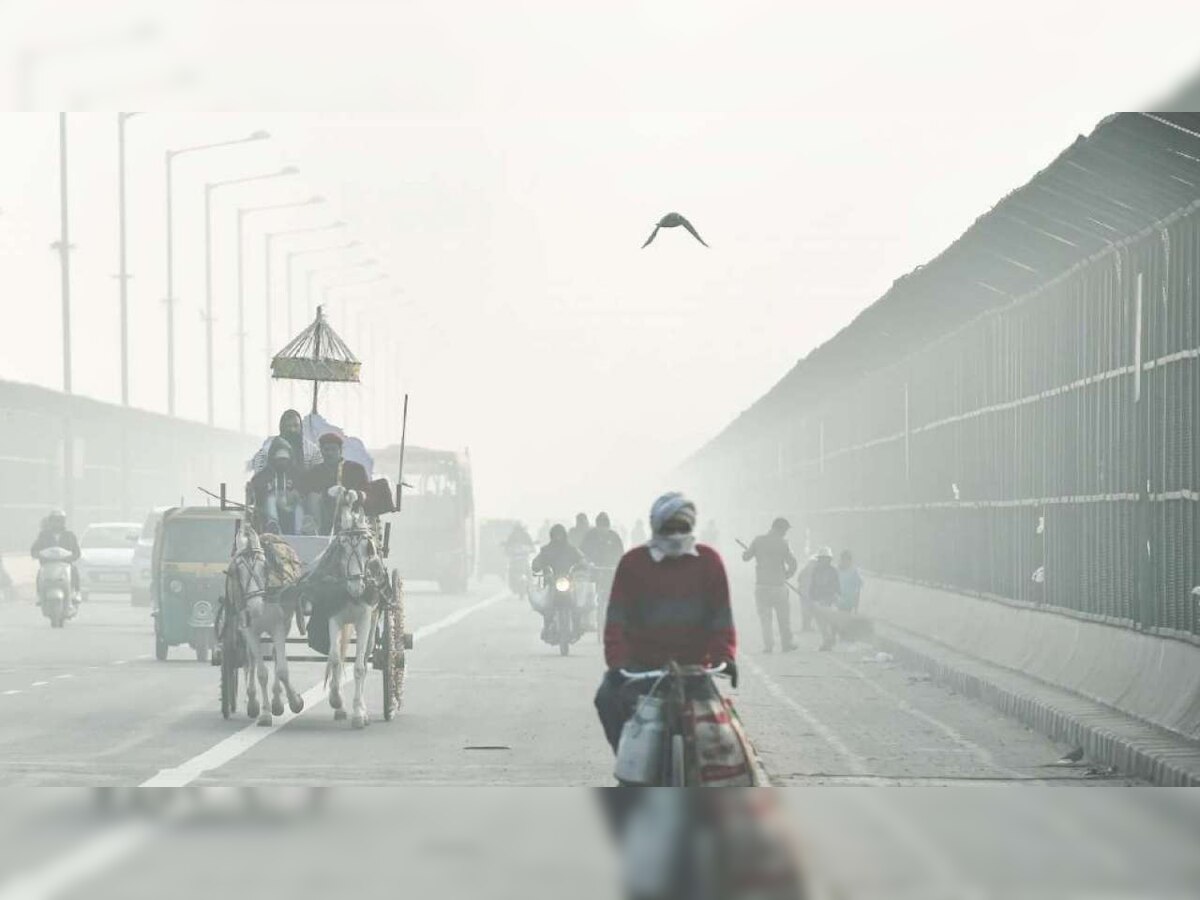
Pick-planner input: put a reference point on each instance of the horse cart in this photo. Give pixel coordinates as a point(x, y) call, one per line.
point(277, 580)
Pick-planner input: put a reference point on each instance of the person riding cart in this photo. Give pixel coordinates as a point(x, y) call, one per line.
point(332, 471)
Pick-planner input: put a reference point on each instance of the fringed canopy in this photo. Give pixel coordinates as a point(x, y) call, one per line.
point(316, 354)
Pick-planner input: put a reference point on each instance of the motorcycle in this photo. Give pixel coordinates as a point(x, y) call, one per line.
point(56, 594)
point(519, 580)
point(562, 610)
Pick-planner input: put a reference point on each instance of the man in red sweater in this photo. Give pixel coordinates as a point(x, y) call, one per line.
point(670, 601)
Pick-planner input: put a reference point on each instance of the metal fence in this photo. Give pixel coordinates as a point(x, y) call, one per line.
point(1044, 452)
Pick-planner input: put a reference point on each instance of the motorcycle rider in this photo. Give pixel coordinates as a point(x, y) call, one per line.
point(54, 533)
point(557, 558)
point(579, 531)
point(518, 547)
point(670, 601)
point(603, 549)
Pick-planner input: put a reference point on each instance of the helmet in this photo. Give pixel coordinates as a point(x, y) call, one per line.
point(558, 533)
point(56, 514)
point(781, 524)
point(602, 520)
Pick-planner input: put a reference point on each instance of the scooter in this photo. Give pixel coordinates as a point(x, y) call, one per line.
point(56, 595)
point(562, 611)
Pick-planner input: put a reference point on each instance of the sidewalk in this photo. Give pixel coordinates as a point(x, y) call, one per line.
point(1108, 737)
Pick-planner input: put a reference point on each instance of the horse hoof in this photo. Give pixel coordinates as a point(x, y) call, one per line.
point(277, 706)
point(335, 701)
point(359, 722)
point(265, 720)
point(252, 709)
point(296, 703)
point(339, 715)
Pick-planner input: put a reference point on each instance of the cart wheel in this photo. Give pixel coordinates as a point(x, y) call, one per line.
point(229, 667)
point(392, 650)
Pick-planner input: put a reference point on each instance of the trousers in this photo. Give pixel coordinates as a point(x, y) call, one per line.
point(773, 603)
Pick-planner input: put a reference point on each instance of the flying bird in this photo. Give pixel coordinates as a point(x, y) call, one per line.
point(672, 220)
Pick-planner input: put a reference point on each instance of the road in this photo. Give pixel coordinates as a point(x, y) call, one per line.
point(488, 704)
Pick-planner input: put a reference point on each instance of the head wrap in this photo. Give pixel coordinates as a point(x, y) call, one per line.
point(668, 507)
point(331, 437)
point(558, 533)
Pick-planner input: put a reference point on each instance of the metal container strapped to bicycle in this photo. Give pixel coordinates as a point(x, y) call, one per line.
point(642, 747)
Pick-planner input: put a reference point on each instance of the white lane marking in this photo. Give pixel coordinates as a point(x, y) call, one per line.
point(10, 693)
point(118, 662)
point(240, 741)
point(854, 762)
point(78, 864)
point(68, 675)
point(39, 684)
point(981, 753)
point(146, 656)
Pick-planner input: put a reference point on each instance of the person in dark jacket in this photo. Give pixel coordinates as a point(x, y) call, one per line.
point(603, 549)
point(276, 495)
point(670, 601)
point(774, 565)
point(333, 470)
point(579, 531)
point(54, 533)
point(824, 590)
point(557, 558)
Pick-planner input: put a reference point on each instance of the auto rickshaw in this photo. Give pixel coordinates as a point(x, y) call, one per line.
point(192, 549)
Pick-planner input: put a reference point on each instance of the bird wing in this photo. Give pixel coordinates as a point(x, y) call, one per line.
point(688, 225)
point(653, 234)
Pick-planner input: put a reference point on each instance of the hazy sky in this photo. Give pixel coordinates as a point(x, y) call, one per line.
point(504, 162)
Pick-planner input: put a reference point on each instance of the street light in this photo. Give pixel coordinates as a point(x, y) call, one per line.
point(242, 213)
point(358, 335)
point(122, 270)
point(269, 254)
point(208, 295)
point(171, 156)
point(350, 267)
point(310, 251)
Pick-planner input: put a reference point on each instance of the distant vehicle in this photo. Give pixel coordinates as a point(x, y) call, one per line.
point(493, 559)
point(106, 557)
point(143, 562)
point(192, 549)
point(433, 537)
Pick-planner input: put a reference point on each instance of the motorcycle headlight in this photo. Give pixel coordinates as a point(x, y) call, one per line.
point(176, 586)
point(562, 584)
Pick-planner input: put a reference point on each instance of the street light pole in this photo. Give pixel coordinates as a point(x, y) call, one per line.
point(170, 298)
point(208, 292)
point(122, 270)
point(64, 249)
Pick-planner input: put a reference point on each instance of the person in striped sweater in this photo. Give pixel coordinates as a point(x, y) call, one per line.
point(670, 601)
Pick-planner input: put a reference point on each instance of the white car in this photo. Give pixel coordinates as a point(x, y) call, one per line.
point(106, 557)
point(143, 558)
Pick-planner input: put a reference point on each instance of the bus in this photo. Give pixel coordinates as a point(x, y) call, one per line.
point(433, 536)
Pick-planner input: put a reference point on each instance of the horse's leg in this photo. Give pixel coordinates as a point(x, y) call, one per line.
point(282, 671)
point(279, 647)
point(264, 718)
point(333, 668)
point(252, 653)
point(364, 640)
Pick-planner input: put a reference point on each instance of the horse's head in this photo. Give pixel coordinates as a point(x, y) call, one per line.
point(358, 561)
point(348, 512)
point(248, 569)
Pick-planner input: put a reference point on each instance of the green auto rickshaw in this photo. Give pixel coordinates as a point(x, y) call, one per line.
point(192, 549)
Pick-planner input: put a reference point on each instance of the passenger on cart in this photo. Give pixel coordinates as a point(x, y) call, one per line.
point(305, 453)
point(276, 493)
point(333, 470)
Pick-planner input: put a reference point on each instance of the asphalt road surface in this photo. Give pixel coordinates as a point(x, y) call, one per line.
point(487, 704)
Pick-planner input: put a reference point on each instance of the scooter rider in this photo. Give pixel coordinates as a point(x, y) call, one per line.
point(670, 601)
point(54, 533)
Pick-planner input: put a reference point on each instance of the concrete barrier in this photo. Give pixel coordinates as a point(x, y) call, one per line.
point(1151, 678)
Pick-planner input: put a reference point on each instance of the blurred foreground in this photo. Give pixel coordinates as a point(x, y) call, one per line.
point(450, 843)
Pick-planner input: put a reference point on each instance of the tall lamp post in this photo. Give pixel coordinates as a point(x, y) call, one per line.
point(242, 213)
point(171, 156)
point(122, 268)
point(326, 291)
point(208, 294)
point(311, 251)
point(269, 254)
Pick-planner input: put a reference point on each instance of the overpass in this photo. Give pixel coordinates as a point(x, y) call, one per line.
point(1007, 438)
point(100, 461)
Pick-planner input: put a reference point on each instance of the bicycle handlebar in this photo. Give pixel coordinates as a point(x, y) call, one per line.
point(659, 673)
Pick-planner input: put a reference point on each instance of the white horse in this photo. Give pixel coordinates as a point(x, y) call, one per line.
point(355, 564)
point(261, 611)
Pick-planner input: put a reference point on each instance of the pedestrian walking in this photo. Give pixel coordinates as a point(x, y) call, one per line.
point(774, 565)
